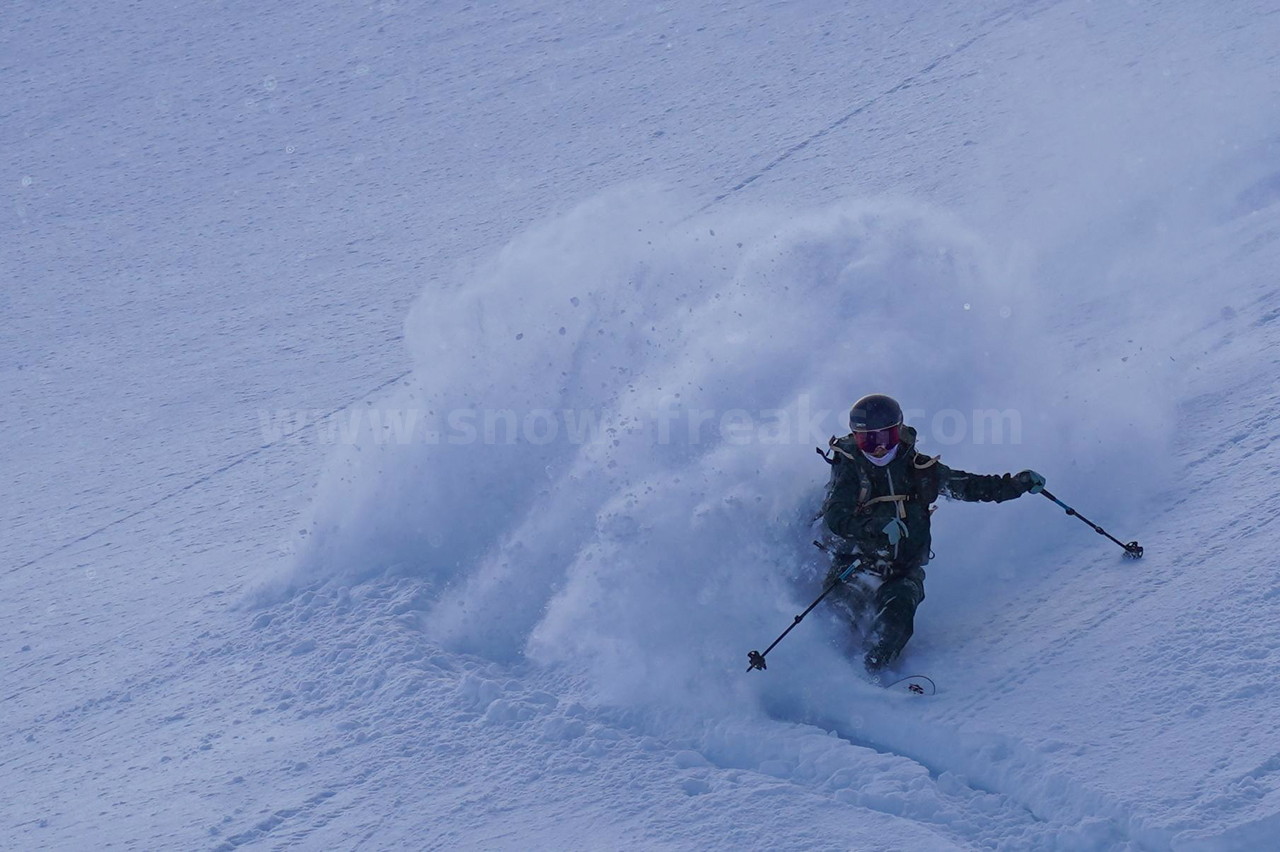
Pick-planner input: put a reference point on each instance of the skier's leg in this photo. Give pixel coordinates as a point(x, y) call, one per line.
point(896, 603)
point(854, 602)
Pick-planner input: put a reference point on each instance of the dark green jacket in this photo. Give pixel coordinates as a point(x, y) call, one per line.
point(853, 512)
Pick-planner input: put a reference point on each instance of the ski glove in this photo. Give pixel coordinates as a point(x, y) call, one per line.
point(895, 530)
point(1031, 481)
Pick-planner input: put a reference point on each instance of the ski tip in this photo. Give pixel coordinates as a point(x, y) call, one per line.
point(914, 685)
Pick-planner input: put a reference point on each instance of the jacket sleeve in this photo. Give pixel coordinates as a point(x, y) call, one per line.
point(840, 512)
point(976, 487)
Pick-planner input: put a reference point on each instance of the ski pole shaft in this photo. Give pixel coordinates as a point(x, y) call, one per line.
point(1133, 550)
point(756, 658)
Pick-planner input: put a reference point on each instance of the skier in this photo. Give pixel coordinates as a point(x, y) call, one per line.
point(878, 505)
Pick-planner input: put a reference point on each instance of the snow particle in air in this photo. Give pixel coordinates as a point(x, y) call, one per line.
point(1006, 312)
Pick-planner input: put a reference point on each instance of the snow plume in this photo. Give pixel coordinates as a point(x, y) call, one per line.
point(614, 419)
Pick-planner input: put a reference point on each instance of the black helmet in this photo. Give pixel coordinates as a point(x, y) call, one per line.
point(873, 412)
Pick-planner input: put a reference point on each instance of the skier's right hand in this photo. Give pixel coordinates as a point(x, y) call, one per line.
point(894, 530)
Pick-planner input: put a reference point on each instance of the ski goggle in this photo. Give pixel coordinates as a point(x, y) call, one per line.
point(868, 442)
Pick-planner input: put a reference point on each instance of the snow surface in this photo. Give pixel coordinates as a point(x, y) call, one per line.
point(409, 417)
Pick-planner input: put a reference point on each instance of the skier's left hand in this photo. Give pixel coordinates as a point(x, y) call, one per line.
point(1031, 481)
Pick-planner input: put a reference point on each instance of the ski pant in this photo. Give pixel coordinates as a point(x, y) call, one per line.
point(895, 613)
point(892, 611)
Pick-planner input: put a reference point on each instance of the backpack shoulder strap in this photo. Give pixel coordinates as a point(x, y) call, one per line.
point(922, 462)
point(924, 469)
point(836, 456)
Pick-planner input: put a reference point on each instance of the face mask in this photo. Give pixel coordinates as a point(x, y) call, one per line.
point(881, 462)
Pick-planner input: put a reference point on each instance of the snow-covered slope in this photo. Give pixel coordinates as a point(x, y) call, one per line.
point(409, 423)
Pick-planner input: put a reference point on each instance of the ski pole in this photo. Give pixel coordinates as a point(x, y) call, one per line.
point(756, 659)
point(1133, 550)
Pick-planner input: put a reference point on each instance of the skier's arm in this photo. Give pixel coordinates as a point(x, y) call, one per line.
point(978, 488)
point(843, 515)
